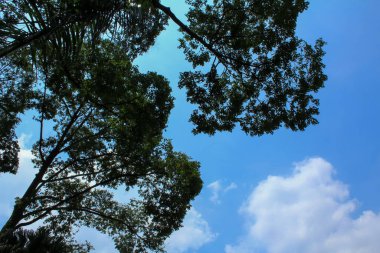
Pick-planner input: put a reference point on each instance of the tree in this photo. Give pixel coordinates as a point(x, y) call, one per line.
point(107, 134)
point(70, 62)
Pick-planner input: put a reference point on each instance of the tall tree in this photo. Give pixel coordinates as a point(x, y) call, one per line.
point(107, 133)
point(70, 62)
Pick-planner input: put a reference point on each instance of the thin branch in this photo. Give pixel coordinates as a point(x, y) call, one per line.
point(82, 209)
point(78, 127)
point(63, 201)
point(72, 163)
point(77, 175)
point(221, 57)
point(87, 137)
point(62, 139)
point(88, 189)
point(67, 107)
point(41, 197)
point(103, 215)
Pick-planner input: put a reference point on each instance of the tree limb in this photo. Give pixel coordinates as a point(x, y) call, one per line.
point(185, 28)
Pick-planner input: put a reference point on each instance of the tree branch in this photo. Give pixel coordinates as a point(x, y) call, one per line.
point(186, 29)
point(75, 176)
point(96, 135)
point(25, 41)
point(82, 209)
point(21, 205)
point(86, 190)
point(22, 224)
point(72, 163)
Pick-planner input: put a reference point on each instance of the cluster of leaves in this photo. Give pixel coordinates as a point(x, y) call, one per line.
point(262, 75)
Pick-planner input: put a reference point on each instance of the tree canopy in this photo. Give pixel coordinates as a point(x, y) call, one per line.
point(101, 121)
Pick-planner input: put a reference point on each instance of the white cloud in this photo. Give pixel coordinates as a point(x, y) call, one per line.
point(216, 188)
point(308, 212)
point(193, 235)
point(230, 187)
point(23, 139)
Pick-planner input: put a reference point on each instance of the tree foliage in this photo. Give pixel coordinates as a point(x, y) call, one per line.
point(262, 76)
point(71, 63)
point(28, 241)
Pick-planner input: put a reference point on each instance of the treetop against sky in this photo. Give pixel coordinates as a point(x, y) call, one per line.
point(255, 74)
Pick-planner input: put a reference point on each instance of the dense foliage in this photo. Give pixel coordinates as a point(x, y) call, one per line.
point(70, 63)
point(28, 241)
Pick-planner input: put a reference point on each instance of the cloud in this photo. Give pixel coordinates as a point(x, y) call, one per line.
point(308, 212)
point(193, 235)
point(216, 188)
point(23, 140)
point(230, 187)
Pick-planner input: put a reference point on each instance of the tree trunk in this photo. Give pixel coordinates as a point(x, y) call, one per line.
point(16, 217)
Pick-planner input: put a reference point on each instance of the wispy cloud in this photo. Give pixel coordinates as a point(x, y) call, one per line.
point(309, 212)
point(230, 187)
point(217, 188)
point(23, 140)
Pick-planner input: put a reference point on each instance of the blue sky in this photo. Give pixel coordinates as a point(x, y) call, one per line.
point(284, 192)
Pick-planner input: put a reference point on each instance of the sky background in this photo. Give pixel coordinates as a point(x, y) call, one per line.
point(310, 191)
